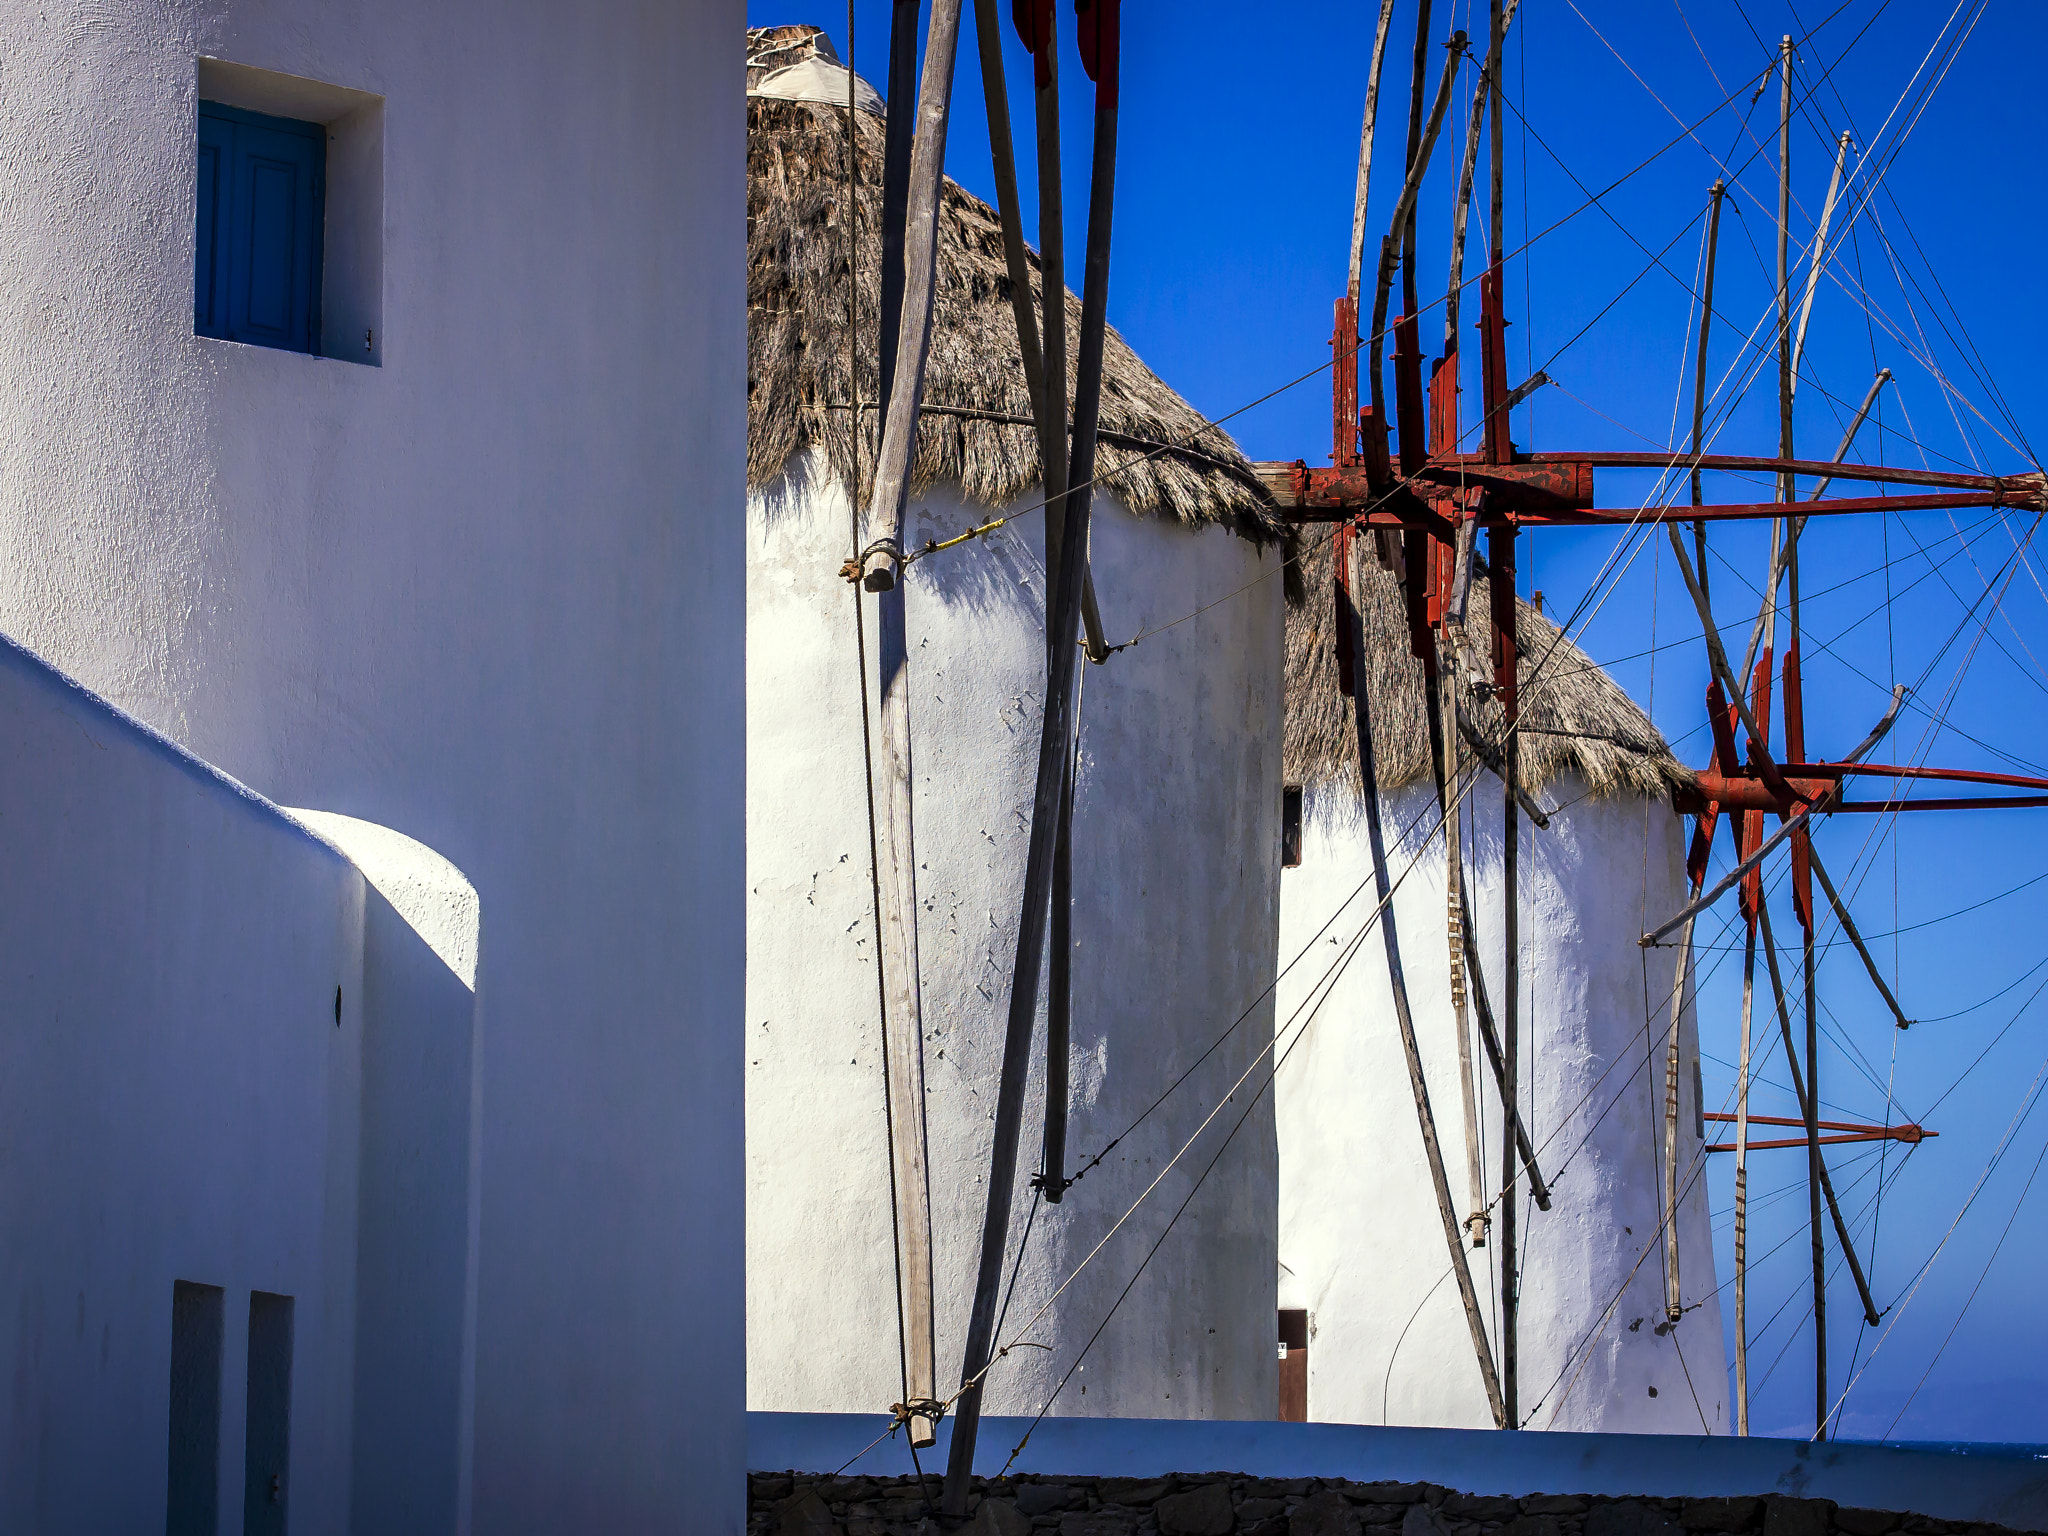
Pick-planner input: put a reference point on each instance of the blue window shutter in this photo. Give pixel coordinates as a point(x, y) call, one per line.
point(265, 256)
point(209, 247)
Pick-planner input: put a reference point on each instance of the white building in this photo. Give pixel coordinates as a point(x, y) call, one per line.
point(371, 425)
point(1362, 1250)
point(1175, 840)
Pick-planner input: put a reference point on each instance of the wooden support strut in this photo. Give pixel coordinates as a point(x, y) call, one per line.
point(1099, 44)
point(910, 188)
point(1383, 886)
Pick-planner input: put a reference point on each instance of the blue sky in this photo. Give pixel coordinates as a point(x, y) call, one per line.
point(1239, 136)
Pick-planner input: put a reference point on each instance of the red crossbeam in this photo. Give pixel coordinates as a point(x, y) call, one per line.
point(1912, 1135)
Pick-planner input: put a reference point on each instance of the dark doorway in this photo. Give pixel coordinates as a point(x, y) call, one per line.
point(1293, 1366)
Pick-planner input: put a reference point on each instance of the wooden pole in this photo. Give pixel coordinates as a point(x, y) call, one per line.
point(1699, 367)
point(1045, 369)
point(1365, 139)
point(1508, 678)
point(1784, 263)
point(1489, 1036)
point(896, 843)
point(900, 132)
point(1383, 885)
point(1742, 1190)
point(1055, 746)
point(1482, 93)
point(1820, 250)
point(1827, 1185)
point(1402, 224)
point(1476, 1219)
point(1674, 1303)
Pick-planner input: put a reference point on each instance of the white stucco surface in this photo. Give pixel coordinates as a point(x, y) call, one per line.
point(178, 1101)
point(1176, 866)
point(1359, 1228)
point(487, 594)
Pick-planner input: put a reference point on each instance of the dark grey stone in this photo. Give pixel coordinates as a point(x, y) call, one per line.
point(1865, 1522)
point(805, 1514)
point(1046, 1498)
point(1202, 1511)
point(1719, 1514)
point(1630, 1517)
point(1327, 1513)
point(1260, 1509)
point(999, 1517)
point(1474, 1506)
point(1531, 1525)
point(1796, 1517)
point(1554, 1504)
point(1135, 1492)
point(1098, 1522)
point(1388, 1493)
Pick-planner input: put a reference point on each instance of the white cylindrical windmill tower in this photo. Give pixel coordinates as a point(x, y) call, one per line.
point(1362, 1247)
point(1175, 881)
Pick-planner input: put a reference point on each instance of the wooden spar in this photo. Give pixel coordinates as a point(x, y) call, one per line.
point(1476, 1219)
point(898, 135)
point(1820, 248)
point(1674, 1305)
point(1045, 385)
point(1491, 756)
point(1383, 887)
point(1848, 437)
point(1699, 366)
point(882, 561)
point(1742, 1193)
point(1365, 138)
point(1418, 82)
point(919, 1213)
point(1404, 211)
point(1507, 680)
point(1798, 524)
point(1460, 208)
point(1809, 1122)
point(1099, 42)
point(914, 268)
point(1489, 1037)
point(1784, 257)
point(1856, 939)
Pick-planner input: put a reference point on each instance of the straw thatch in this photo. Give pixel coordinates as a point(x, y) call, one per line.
point(798, 392)
point(1574, 716)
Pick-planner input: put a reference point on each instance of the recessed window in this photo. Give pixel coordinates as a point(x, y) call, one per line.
point(1290, 826)
point(1293, 1365)
point(288, 216)
point(261, 211)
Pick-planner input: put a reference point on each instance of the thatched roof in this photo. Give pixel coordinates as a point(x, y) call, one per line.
point(797, 352)
point(1574, 716)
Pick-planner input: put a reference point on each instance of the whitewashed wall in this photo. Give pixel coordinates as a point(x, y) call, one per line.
point(178, 1101)
point(1176, 861)
point(488, 594)
point(1360, 1236)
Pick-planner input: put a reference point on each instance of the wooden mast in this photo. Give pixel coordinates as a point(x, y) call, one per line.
point(1499, 449)
point(912, 273)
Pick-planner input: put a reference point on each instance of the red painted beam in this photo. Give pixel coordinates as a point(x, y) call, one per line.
point(2027, 487)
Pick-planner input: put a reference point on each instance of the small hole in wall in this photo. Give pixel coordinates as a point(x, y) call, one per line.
point(337, 1007)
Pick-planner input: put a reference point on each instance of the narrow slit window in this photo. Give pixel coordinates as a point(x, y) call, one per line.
point(268, 1437)
point(1290, 826)
point(260, 218)
point(198, 1329)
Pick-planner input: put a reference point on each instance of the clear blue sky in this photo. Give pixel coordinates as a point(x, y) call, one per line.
point(1236, 160)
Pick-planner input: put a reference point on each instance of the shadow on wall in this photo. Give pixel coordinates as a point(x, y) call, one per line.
point(237, 1071)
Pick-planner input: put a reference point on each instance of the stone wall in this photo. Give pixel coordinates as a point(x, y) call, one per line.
point(797, 1504)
